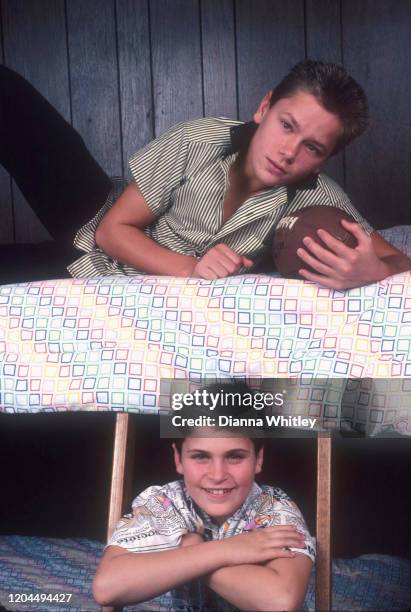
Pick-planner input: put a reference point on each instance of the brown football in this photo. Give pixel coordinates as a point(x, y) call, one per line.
point(292, 228)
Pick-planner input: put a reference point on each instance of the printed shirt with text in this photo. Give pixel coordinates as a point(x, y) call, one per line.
point(163, 514)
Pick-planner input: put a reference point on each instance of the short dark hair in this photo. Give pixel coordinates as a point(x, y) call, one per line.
point(334, 89)
point(224, 391)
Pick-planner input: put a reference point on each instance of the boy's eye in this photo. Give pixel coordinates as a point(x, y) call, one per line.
point(312, 148)
point(235, 457)
point(286, 125)
point(199, 457)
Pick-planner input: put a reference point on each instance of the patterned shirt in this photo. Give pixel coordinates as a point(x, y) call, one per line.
point(184, 176)
point(163, 514)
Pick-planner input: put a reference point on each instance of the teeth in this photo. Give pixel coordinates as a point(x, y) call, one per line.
point(218, 491)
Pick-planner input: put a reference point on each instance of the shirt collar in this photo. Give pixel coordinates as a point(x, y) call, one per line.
point(241, 135)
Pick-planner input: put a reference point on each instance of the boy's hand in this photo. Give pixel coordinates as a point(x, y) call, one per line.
point(339, 266)
point(263, 545)
point(220, 261)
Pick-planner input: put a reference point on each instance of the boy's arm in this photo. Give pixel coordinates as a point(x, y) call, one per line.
point(123, 577)
point(120, 234)
point(395, 260)
point(279, 585)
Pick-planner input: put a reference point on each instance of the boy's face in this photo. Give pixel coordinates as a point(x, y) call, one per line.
point(218, 472)
point(293, 139)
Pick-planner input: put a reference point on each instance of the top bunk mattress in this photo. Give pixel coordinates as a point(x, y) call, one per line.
point(107, 343)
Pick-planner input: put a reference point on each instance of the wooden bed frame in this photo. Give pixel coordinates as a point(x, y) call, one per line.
point(123, 448)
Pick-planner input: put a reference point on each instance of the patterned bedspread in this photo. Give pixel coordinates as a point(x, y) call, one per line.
point(106, 343)
point(30, 565)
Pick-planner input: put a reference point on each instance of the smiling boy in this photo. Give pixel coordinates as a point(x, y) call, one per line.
point(207, 195)
point(247, 543)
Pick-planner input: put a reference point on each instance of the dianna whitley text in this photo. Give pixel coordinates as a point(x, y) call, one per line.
point(229, 421)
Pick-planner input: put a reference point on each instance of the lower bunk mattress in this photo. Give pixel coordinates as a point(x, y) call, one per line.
point(34, 569)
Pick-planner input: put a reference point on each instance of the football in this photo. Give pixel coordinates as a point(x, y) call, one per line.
point(293, 227)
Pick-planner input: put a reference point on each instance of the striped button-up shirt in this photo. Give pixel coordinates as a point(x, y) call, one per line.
point(184, 176)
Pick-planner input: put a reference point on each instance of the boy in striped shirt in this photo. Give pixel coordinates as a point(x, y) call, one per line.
point(207, 195)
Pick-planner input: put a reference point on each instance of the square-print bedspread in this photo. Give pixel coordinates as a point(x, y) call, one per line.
point(105, 343)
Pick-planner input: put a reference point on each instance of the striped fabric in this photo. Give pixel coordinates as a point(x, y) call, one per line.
point(183, 176)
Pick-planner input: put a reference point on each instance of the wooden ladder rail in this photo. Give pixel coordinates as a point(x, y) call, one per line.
point(123, 448)
point(323, 585)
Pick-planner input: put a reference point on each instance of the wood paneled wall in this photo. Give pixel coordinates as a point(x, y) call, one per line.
point(123, 71)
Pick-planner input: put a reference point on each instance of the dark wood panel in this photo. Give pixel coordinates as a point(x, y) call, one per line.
point(323, 31)
point(176, 58)
point(35, 46)
point(195, 45)
point(94, 79)
point(323, 42)
point(270, 40)
point(135, 76)
point(6, 209)
point(219, 72)
point(6, 203)
point(377, 50)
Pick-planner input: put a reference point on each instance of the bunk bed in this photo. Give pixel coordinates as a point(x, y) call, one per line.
point(111, 344)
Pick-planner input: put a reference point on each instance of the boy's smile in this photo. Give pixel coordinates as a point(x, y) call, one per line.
point(218, 472)
point(294, 138)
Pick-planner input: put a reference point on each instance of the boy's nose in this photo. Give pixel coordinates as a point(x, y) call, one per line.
point(217, 472)
point(288, 149)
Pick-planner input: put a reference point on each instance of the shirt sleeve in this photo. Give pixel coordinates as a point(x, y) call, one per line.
point(156, 523)
point(327, 193)
point(274, 507)
point(338, 198)
point(346, 205)
point(159, 167)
